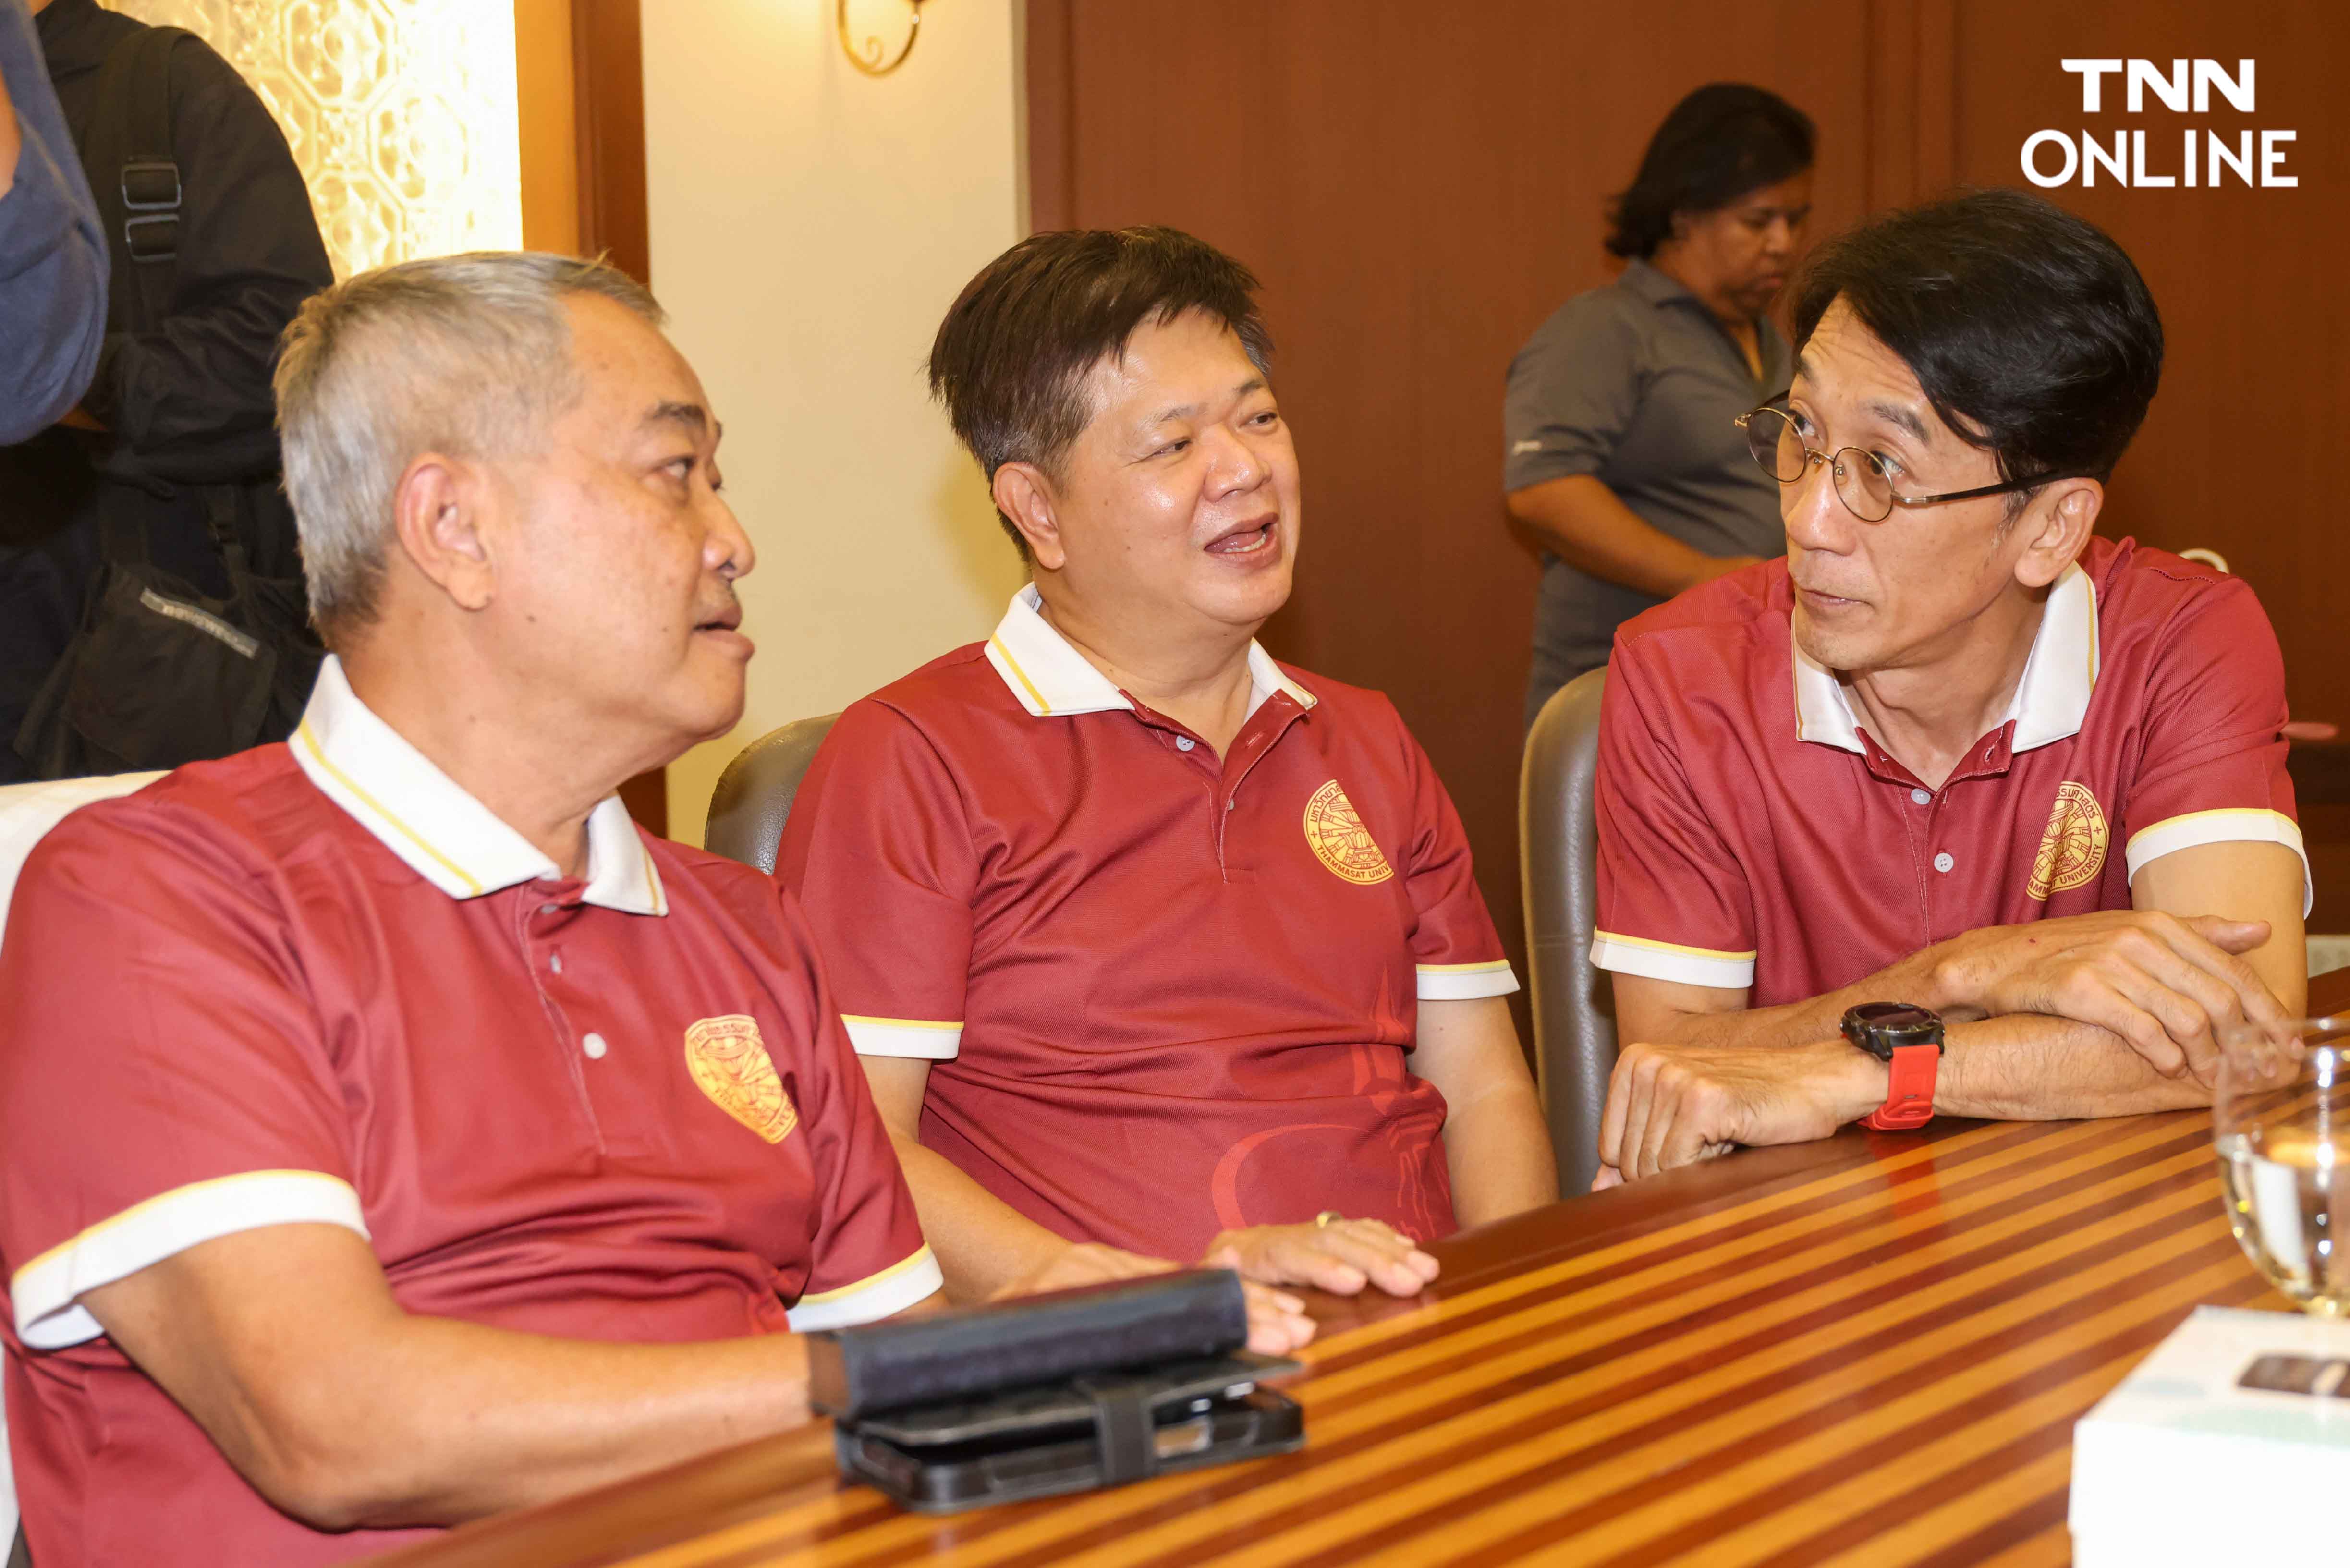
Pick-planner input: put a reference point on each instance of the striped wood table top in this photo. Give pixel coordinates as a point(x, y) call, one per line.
point(1866, 1351)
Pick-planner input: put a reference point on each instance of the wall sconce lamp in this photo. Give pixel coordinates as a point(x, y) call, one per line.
point(866, 54)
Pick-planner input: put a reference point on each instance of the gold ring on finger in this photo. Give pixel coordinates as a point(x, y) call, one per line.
point(1328, 1218)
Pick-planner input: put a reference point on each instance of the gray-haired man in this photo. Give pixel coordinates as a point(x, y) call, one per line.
point(384, 1100)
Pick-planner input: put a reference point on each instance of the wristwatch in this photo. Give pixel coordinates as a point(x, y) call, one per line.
point(1908, 1040)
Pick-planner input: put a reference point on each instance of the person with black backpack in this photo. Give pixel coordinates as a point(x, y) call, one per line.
point(150, 594)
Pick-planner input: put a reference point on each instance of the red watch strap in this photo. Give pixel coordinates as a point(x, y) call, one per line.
point(1909, 1099)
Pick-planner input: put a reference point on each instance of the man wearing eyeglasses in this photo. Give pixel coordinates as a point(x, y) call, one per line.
point(1958, 808)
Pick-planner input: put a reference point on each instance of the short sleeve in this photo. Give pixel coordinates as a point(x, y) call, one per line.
point(1673, 899)
point(164, 1082)
point(1454, 946)
point(1572, 390)
point(868, 1260)
point(878, 853)
point(2213, 766)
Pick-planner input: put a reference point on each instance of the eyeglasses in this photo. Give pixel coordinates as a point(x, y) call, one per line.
point(1861, 481)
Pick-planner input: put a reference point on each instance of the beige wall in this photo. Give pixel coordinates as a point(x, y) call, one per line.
point(809, 227)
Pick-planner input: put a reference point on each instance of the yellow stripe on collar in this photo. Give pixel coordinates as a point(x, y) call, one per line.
point(1013, 665)
point(310, 740)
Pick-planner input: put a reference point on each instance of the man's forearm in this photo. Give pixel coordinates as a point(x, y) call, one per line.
point(2030, 1067)
point(1497, 1151)
point(983, 1243)
point(1585, 525)
point(2019, 1067)
point(465, 1421)
point(2144, 980)
point(344, 1410)
point(2110, 1013)
point(1912, 979)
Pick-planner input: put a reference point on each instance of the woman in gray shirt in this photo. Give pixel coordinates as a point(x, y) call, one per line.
point(1622, 458)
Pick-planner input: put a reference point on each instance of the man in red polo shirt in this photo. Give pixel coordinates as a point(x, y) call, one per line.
point(395, 1132)
point(1144, 938)
point(1954, 752)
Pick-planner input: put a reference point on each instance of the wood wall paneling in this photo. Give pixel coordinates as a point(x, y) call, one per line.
point(1046, 67)
point(547, 104)
point(609, 68)
point(1911, 77)
point(1418, 186)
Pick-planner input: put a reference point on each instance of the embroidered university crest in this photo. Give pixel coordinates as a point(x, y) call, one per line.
point(2073, 846)
point(731, 1064)
point(1335, 832)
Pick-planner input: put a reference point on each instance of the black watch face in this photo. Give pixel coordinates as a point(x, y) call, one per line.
point(1895, 1016)
point(1882, 1027)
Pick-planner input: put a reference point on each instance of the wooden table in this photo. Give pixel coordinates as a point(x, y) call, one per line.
point(1866, 1351)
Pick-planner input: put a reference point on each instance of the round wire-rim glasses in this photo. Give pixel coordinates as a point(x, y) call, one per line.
point(1861, 481)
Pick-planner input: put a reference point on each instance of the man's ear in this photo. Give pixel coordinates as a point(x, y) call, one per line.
point(1025, 494)
point(2058, 521)
point(436, 513)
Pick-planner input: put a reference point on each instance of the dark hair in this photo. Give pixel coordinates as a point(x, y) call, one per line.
point(2028, 329)
point(1719, 143)
point(1012, 357)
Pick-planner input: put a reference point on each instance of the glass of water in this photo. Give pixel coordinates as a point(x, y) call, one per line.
point(2281, 1118)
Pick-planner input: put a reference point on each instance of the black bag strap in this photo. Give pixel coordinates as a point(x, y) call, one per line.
point(220, 521)
point(135, 175)
point(122, 538)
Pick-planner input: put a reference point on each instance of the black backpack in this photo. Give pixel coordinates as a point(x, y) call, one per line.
point(159, 673)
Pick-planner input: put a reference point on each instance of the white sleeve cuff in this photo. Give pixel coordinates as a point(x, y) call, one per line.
point(891, 1291)
point(2230, 825)
point(1465, 981)
point(903, 1037)
point(1668, 960)
point(44, 1290)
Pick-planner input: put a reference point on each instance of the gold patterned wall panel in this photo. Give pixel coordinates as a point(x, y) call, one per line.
point(400, 112)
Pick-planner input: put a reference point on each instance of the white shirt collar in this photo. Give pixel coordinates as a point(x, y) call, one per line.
point(443, 833)
point(1050, 677)
point(2051, 702)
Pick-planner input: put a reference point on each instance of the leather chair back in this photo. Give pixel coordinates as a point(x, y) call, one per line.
point(753, 797)
point(1558, 853)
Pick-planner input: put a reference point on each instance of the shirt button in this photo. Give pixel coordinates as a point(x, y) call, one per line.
point(548, 909)
point(1943, 862)
point(595, 1047)
point(555, 962)
point(1923, 797)
point(1184, 742)
point(1232, 802)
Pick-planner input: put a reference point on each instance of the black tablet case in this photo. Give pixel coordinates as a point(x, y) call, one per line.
point(1053, 1394)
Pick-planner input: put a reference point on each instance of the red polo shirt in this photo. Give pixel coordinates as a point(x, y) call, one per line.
point(320, 982)
point(1752, 836)
point(1163, 994)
